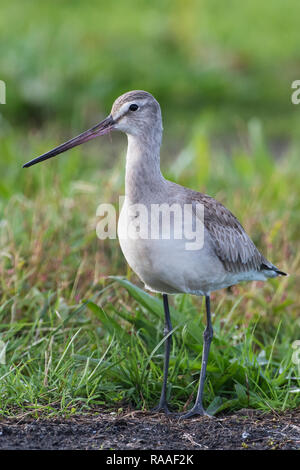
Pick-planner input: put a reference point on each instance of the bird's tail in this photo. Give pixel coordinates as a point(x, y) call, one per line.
point(272, 271)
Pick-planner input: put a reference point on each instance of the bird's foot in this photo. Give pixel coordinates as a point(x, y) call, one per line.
point(162, 407)
point(197, 410)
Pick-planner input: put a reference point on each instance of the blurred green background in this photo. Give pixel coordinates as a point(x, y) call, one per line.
point(222, 72)
point(71, 59)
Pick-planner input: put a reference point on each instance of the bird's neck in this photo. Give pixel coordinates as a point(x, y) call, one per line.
point(143, 175)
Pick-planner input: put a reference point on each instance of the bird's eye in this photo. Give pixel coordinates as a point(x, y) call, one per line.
point(133, 107)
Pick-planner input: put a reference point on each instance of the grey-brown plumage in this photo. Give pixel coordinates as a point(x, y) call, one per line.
point(228, 256)
point(131, 96)
point(232, 244)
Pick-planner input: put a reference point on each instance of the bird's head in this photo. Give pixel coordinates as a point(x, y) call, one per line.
point(136, 113)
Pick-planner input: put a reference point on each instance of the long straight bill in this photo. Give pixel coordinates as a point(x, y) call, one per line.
point(102, 128)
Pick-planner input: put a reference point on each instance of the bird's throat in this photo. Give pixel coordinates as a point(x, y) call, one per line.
point(143, 175)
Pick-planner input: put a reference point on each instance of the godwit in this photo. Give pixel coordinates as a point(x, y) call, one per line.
point(164, 263)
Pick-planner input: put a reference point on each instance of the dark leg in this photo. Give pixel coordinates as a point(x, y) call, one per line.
point(208, 334)
point(163, 405)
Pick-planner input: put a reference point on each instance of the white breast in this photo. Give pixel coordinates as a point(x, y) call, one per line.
point(166, 265)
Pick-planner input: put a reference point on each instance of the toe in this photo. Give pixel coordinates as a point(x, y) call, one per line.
point(161, 408)
point(195, 411)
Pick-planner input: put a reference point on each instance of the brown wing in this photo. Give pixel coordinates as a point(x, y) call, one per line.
point(230, 241)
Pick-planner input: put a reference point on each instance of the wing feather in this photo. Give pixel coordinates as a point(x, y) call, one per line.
point(230, 241)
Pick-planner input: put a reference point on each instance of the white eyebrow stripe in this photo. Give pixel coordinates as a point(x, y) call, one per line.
point(124, 108)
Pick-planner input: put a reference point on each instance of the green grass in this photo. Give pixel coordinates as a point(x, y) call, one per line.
point(76, 337)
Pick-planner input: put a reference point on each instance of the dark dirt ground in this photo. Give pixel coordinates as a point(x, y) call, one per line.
point(246, 429)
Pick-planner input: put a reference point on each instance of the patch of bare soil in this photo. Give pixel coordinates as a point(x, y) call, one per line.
point(246, 429)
